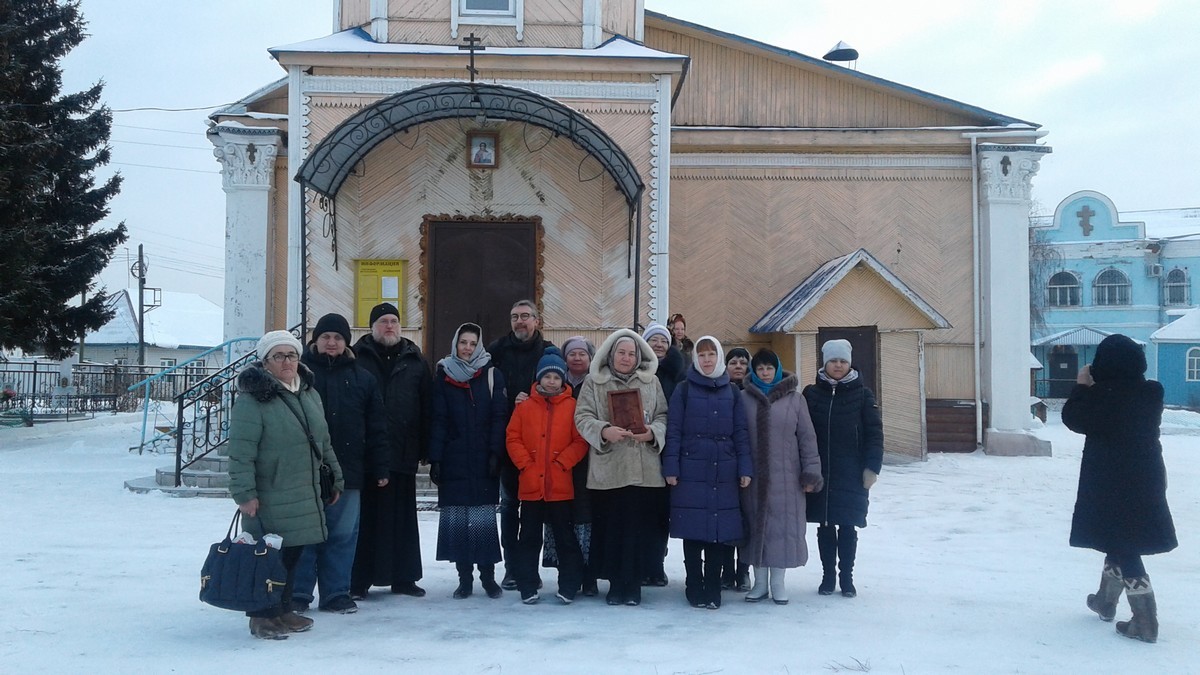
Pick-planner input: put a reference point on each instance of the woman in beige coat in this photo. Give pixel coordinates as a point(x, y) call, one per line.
point(624, 467)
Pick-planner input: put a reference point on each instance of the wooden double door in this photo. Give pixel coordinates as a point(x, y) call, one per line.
point(475, 271)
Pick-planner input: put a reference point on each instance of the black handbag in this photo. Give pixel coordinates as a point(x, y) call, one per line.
point(242, 577)
point(325, 475)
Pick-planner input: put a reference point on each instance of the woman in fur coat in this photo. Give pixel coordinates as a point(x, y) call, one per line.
point(786, 466)
point(624, 466)
point(1121, 508)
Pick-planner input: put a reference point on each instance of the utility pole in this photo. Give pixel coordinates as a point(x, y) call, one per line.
point(139, 271)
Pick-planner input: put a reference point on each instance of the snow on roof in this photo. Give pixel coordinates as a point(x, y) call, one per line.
point(183, 320)
point(1184, 329)
point(1083, 335)
point(357, 41)
point(1164, 223)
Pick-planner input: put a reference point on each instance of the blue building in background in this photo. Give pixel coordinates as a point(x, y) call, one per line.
point(1096, 271)
point(1177, 353)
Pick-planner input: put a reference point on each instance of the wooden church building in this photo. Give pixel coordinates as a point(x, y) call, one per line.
point(617, 166)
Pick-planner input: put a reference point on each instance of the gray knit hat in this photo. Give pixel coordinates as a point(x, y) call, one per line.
point(835, 349)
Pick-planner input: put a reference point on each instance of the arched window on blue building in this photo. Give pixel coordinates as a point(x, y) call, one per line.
point(1193, 364)
point(1175, 288)
point(1063, 290)
point(1111, 287)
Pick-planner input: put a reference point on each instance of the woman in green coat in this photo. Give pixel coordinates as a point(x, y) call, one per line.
point(274, 472)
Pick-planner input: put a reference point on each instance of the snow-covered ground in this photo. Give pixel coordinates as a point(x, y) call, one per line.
point(964, 568)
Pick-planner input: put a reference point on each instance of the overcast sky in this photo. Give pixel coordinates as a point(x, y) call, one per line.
point(1116, 84)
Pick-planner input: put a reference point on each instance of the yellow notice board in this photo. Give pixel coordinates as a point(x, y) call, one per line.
point(377, 281)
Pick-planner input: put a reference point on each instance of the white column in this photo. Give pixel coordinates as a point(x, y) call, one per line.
point(295, 199)
point(1006, 174)
point(247, 156)
point(658, 190)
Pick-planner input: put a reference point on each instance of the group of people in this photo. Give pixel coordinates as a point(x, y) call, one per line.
point(595, 456)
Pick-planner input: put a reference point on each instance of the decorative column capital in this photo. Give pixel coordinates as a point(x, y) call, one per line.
point(1006, 171)
point(247, 154)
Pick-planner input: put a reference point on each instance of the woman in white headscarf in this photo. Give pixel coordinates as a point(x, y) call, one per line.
point(624, 466)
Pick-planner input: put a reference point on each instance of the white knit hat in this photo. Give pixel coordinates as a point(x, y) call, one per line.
point(835, 349)
point(277, 338)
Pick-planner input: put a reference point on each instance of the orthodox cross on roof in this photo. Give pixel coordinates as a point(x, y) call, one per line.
point(473, 45)
point(1085, 219)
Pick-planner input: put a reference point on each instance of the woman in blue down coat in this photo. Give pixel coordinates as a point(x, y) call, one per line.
point(466, 439)
point(706, 461)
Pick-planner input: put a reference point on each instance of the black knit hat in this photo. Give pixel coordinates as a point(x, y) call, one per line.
point(332, 323)
point(382, 309)
point(1118, 358)
point(737, 351)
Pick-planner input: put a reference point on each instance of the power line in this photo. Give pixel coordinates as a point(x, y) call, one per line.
point(164, 145)
point(207, 107)
point(167, 131)
point(165, 168)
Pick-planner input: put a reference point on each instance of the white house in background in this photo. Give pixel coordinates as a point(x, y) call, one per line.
point(182, 327)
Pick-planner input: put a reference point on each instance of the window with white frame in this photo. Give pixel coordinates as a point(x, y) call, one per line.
point(1111, 287)
point(167, 363)
point(487, 7)
point(1063, 290)
point(1175, 288)
point(1193, 364)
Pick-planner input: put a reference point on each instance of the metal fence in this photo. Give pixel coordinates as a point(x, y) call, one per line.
point(41, 386)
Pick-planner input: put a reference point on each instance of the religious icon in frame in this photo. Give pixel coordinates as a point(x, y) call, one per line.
point(625, 410)
point(482, 151)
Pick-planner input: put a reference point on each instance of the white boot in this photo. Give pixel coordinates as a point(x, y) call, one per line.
point(759, 591)
point(778, 587)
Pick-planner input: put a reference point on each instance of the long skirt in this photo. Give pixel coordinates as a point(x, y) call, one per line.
point(623, 534)
point(468, 534)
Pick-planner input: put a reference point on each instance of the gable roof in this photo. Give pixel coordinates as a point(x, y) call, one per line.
point(987, 117)
point(1184, 329)
point(1081, 336)
point(183, 320)
point(802, 299)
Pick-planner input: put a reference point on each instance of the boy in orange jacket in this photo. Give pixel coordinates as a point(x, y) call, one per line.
point(544, 445)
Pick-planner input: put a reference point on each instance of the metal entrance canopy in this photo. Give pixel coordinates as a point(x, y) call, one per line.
point(336, 155)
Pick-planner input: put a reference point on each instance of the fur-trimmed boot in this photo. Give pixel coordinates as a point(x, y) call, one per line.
point(847, 549)
point(1104, 601)
point(466, 581)
point(827, 546)
point(1144, 624)
point(760, 590)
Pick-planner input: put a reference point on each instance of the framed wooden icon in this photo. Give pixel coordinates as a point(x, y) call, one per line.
point(482, 151)
point(625, 410)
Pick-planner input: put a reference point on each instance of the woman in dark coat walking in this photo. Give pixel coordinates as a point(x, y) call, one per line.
point(850, 441)
point(706, 461)
point(466, 438)
point(1121, 507)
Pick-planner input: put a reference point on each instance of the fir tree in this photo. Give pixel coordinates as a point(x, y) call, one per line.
point(50, 146)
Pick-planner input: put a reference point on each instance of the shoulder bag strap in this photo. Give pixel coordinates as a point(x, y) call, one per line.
point(312, 444)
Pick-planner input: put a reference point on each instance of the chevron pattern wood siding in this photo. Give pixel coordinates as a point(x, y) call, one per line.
point(380, 208)
point(743, 238)
point(785, 93)
point(863, 299)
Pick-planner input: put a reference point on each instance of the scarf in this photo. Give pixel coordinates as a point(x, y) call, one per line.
point(459, 370)
point(546, 394)
point(766, 387)
point(850, 377)
point(571, 379)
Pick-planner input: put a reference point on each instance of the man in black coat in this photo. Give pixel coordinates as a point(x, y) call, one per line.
point(516, 355)
point(389, 546)
point(357, 424)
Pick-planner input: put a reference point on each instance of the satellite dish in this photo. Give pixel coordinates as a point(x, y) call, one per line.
point(842, 52)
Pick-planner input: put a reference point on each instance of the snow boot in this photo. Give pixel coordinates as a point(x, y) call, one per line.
point(827, 546)
point(693, 583)
point(1104, 601)
point(466, 581)
point(778, 586)
point(487, 579)
point(713, 582)
point(847, 549)
point(267, 628)
point(759, 591)
point(1144, 624)
point(294, 623)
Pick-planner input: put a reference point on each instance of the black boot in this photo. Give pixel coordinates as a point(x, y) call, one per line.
point(693, 583)
point(728, 569)
point(1104, 601)
point(743, 577)
point(466, 581)
point(847, 548)
point(827, 543)
point(712, 582)
point(487, 579)
point(1144, 624)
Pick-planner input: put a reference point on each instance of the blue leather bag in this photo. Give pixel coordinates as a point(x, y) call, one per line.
point(242, 577)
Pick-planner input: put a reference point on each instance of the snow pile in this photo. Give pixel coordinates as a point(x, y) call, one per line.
point(964, 568)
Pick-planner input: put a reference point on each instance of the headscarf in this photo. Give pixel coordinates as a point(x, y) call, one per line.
point(719, 370)
point(623, 377)
point(1118, 358)
point(765, 355)
point(578, 342)
point(458, 369)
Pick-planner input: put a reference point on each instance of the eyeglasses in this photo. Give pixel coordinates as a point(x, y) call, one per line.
point(524, 316)
point(285, 357)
